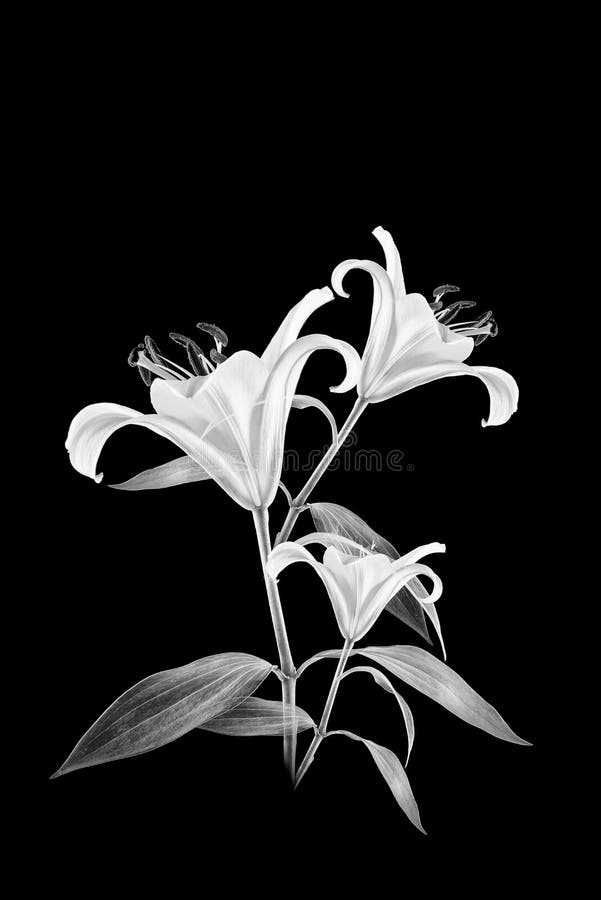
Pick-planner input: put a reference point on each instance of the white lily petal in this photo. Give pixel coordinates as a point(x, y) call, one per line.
point(393, 260)
point(414, 555)
point(378, 599)
point(289, 552)
point(91, 428)
point(382, 314)
point(182, 470)
point(280, 390)
point(502, 387)
point(288, 331)
point(303, 401)
point(432, 613)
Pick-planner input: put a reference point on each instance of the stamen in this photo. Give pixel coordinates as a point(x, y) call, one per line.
point(447, 315)
point(444, 289)
point(217, 357)
point(435, 306)
point(195, 354)
point(219, 336)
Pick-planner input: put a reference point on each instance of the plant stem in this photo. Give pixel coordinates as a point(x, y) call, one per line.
point(321, 731)
point(261, 519)
point(325, 461)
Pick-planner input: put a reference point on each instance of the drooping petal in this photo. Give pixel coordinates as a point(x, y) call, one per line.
point(182, 470)
point(393, 260)
point(288, 331)
point(280, 390)
point(502, 387)
point(414, 555)
point(421, 594)
point(304, 401)
point(289, 552)
point(377, 600)
point(382, 314)
point(91, 428)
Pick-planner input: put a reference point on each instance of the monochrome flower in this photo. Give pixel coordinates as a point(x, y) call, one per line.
point(228, 415)
point(359, 587)
point(411, 343)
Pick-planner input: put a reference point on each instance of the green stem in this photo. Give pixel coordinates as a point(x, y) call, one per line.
point(327, 710)
point(299, 502)
point(261, 519)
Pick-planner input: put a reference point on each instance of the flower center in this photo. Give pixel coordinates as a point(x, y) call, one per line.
point(149, 360)
point(480, 328)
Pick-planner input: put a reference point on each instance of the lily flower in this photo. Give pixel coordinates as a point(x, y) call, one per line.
point(411, 343)
point(229, 421)
point(359, 587)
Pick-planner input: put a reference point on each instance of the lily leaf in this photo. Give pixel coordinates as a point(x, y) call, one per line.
point(394, 775)
point(384, 682)
point(330, 517)
point(163, 707)
point(182, 470)
point(255, 717)
point(436, 680)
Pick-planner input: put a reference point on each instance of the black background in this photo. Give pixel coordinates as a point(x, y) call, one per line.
point(158, 207)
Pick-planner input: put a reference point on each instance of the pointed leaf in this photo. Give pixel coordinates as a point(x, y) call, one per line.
point(383, 682)
point(394, 775)
point(165, 706)
point(435, 679)
point(255, 716)
point(182, 470)
point(336, 519)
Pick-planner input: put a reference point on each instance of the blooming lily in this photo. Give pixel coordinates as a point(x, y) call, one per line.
point(411, 343)
point(229, 421)
point(359, 587)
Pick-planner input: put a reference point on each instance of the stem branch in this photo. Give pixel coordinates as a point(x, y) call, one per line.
point(327, 710)
point(325, 461)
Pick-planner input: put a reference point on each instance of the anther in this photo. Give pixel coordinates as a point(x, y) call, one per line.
point(196, 358)
point(487, 315)
point(445, 289)
point(447, 315)
point(153, 350)
point(436, 306)
point(132, 359)
point(217, 357)
point(145, 375)
point(179, 338)
point(219, 336)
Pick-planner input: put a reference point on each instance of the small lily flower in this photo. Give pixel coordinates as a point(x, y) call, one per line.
point(229, 415)
point(411, 343)
point(359, 586)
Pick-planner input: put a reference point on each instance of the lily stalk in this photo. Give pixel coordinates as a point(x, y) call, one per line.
point(297, 505)
point(321, 731)
point(261, 520)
